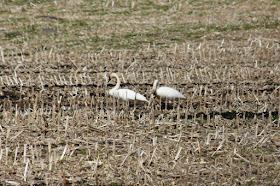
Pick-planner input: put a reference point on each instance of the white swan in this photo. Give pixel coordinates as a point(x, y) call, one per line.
point(124, 94)
point(166, 92)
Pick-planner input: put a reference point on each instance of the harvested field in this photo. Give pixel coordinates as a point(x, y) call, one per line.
point(58, 125)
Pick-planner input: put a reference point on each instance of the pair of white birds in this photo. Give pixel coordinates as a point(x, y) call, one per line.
point(127, 94)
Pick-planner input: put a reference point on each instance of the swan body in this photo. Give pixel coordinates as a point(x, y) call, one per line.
point(124, 94)
point(166, 92)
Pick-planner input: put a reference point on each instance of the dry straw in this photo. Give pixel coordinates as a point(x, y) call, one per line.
point(58, 125)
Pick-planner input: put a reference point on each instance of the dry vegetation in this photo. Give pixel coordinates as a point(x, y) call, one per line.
point(58, 125)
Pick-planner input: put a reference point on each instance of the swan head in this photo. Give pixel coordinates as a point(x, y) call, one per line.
point(109, 77)
point(112, 75)
point(154, 89)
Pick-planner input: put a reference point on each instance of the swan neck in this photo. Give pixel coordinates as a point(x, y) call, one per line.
point(155, 86)
point(117, 86)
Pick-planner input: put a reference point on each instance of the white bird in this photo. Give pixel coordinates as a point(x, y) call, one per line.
point(166, 92)
point(124, 94)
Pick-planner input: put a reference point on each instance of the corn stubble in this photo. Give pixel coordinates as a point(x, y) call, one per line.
point(58, 125)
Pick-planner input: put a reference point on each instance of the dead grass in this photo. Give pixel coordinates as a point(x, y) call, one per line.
point(58, 125)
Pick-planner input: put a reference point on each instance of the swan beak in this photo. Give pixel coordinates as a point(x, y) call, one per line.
point(107, 79)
